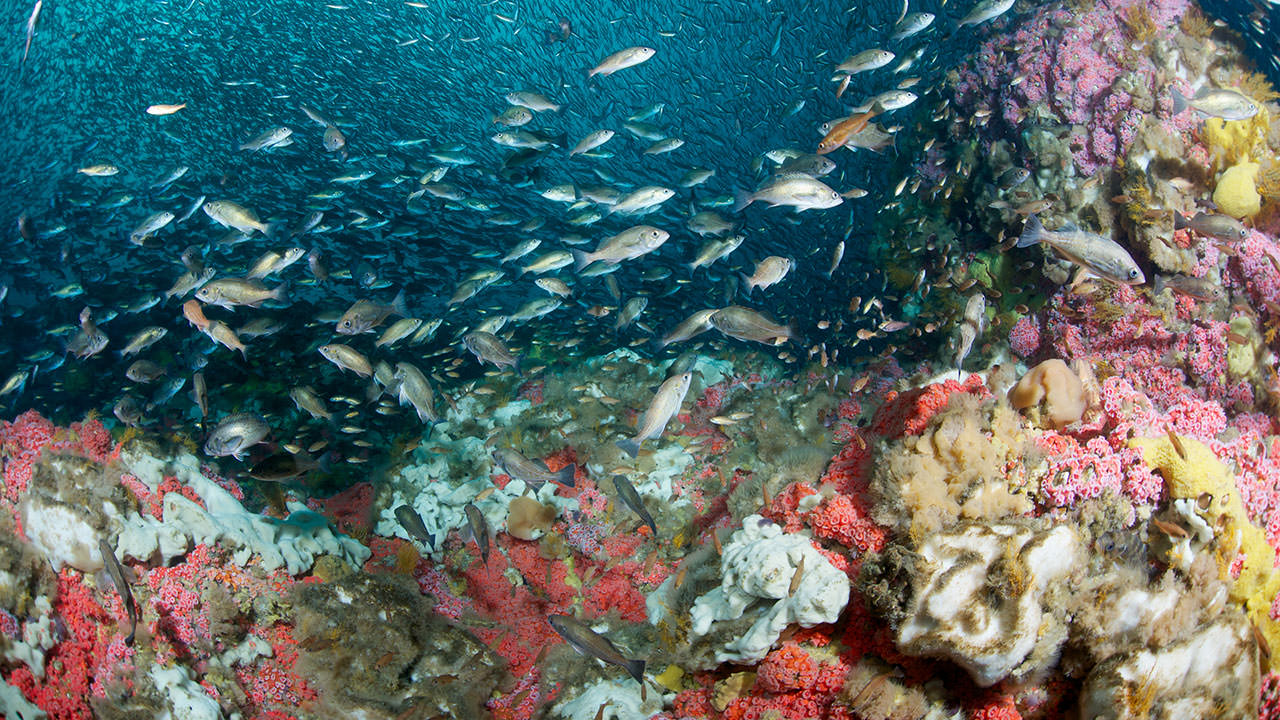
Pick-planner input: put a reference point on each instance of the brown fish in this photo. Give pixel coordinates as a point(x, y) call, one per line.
point(589, 642)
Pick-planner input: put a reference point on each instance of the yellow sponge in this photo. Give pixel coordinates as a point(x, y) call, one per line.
point(1236, 193)
point(1200, 471)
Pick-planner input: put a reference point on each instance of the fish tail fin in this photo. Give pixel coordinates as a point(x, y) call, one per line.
point(580, 260)
point(1160, 282)
point(630, 447)
point(272, 229)
point(281, 292)
point(745, 284)
point(1180, 221)
point(398, 304)
point(635, 668)
point(1032, 232)
point(565, 476)
point(515, 366)
point(741, 199)
point(1180, 103)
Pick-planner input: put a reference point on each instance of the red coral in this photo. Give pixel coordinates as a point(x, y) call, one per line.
point(909, 412)
point(848, 523)
point(788, 668)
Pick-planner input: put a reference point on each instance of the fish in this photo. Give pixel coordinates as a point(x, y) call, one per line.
point(799, 191)
point(911, 24)
point(664, 406)
point(413, 388)
point(590, 643)
point(524, 247)
point(695, 177)
point(642, 200)
point(165, 108)
point(144, 371)
point(306, 400)
point(592, 141)
point(1099, 256)
point(150, 227)
point(841, 131)
point(270, 138)
point(746, 324)
point(222, 334)
point(272, 262)
point(116, 571)
point(333, 139)
point(235, 435)
point(710, 223)
point(31, 31)
point(547, 262)
point(1201, 289)
point(487, 347)
point(478, 528)
point(532, 100)
point(1216, 102)
point(837, 254)
point(411, 521)
point(627, 493)
point(626, 245)
point(628, 57)
point(1214, 225)
point(871, 59)
point(972, 324)
point(233, 292)
point(692, 326)
point(128, 411)
point(514, 116)
point(399, 330)
point(984, 11)
point(365, 315)
point(714, 250)
point(200, 394)
point(15, 382)
point(347, 358)
point(103, 170)
point(193, 311)
point(281, 467)
point(555, 286)
point(630, 311)
point(90, 340)
point(229, 214)
point(143, 339)
point(533, 473)
point(768, 272)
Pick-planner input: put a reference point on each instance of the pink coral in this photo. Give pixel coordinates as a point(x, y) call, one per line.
point(1024, 338)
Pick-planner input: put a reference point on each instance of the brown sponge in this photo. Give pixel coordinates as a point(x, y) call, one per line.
point(1055, 389)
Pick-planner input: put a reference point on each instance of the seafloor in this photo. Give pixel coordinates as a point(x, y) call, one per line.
point(1087, 527)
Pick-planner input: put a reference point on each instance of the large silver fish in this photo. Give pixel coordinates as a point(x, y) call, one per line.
point(664, 406)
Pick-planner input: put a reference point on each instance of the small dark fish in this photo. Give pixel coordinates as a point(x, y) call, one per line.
point(411, 521)
point(1013, 177)
point(1195, 288)
point(1222, 227)
point(479, 530)
point(631, 498)
point(533, 473)
point(589, 642)
point(280, 467)
point(122, 586)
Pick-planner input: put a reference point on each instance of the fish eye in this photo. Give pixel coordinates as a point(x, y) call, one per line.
point(1133, 274)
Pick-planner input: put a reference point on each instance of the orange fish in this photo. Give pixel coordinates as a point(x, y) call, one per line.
point(194, 313)
point(843, 130)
